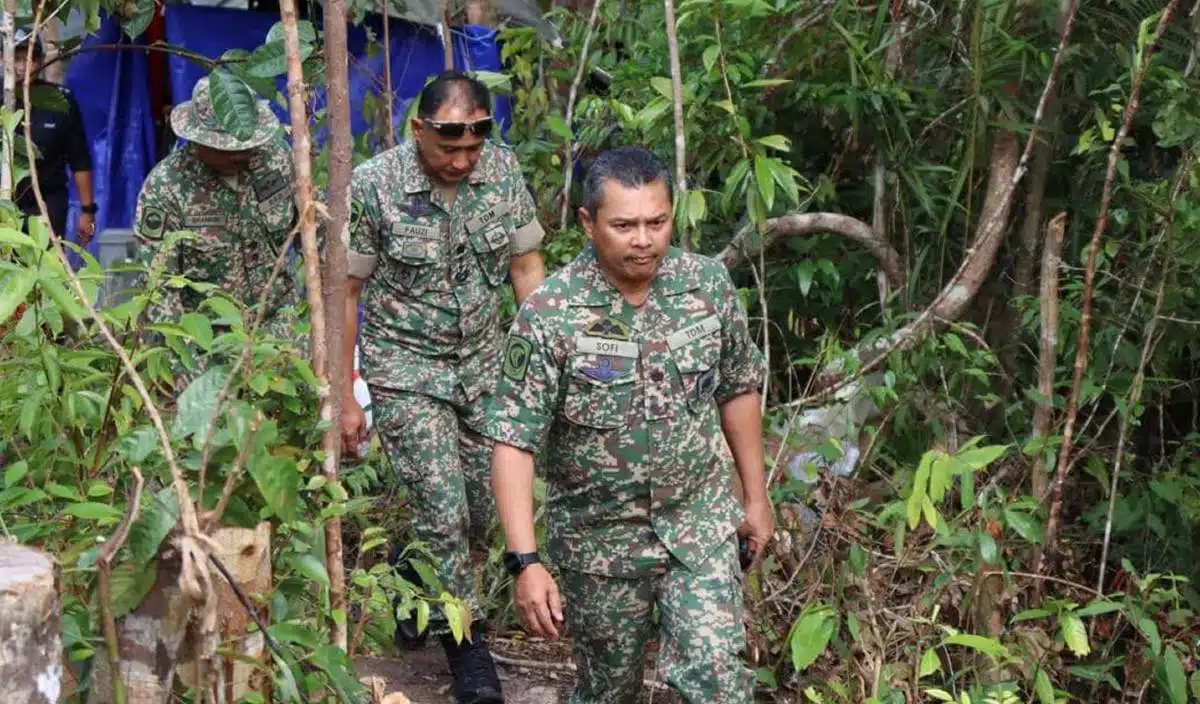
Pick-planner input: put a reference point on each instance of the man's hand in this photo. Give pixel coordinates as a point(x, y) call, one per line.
point(538, 601)
point(759, 527)
point(354, 426)
point(85, 227)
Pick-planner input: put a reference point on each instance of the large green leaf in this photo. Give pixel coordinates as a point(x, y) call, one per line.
point(1025, 525)
point(14, 289)
point(989, 646)
point(197, 404)
point(153, 526)
point(1172, 677)
point(1044, 687)
point(128, 586)
point(279, 482)
point(133, 24)
point(304, 29)
point(93, 511)
point(270, 60)
point(311, 567)
point(337, 666)
point(233, 103)
point(811, 633)
point(1074, 633)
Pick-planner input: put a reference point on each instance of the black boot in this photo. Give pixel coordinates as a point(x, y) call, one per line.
point(407, 637)
point(475, 679)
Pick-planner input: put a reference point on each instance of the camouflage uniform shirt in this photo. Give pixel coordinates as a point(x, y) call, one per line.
point(628, 399)
point(431, 301)
point(239, 225)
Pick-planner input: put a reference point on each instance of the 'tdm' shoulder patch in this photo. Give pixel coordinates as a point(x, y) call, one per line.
point(516, 358)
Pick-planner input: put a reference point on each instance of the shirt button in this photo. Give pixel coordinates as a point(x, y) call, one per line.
point(461, 276)
point(656, 375)
point(460, 249)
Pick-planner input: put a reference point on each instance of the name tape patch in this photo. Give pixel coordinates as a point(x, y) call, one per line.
point(487, 217)
point(612, 348)
point(403, 229)
point(695, 331)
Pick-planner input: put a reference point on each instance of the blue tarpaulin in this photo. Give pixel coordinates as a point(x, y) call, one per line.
point(114, 99)
point(416, 53)
point(113, 89)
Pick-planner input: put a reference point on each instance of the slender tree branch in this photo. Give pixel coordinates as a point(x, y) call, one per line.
point(104, 576)
point(389, 137)
point(1043, 414)
point(685, 238)
point(569, 155)
point(1089, 284)
point(213, 517)
point(10, 96)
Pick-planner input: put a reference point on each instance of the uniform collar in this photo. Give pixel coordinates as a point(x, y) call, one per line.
point(416, 181)
point(676, 274)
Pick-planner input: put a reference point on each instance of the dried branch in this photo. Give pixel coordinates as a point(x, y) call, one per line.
point(1089, 287)
point(10, 96)
point(447, 40)
point(569, 157)
point(677, 101)
point(389, 137)
point(1043, 414)
point(801, 224)
point(340, 166)
point(104, 575)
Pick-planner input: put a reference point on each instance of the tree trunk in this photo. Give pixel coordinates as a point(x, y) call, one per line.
point(246, 554)
point(30, 627)
point(447, 41)
point(340, 166)
point(149, 639)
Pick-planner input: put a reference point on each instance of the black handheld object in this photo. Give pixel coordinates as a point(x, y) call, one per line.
point(745, 554)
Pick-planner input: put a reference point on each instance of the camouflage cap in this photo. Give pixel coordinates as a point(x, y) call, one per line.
point(196, 121)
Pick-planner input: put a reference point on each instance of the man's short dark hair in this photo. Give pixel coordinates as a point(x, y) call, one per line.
point(453, 86)
point(632, 167)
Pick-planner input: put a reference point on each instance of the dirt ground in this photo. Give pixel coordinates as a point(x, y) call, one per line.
point(532, 671)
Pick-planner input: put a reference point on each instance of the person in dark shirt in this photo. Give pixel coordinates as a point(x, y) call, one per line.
point(58, 134)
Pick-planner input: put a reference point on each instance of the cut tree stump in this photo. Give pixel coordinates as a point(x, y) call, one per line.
point(246, 554)
point(148, 639)
point(30, 627)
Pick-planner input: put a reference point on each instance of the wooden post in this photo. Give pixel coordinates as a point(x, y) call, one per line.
point(30, 627)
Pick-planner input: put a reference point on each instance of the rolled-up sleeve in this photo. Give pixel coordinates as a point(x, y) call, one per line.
point(362, 251)
point(521, 410)
point(742, 366)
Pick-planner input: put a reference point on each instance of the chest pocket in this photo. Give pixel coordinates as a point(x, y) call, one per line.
point(599, 391)
point(413, 249)
point(696, 351)
point(490, 239)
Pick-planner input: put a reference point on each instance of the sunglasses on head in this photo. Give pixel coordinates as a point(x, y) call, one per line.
point(454, 130)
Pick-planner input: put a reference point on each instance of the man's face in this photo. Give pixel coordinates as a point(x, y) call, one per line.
point(22, 61)
point(631, 230)
point(451, 143)
point(224, 163)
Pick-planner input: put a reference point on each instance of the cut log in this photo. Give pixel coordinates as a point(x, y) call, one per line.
point(30, 627)
point(246, 554)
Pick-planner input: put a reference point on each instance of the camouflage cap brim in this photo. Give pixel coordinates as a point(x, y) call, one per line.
point(186, 125)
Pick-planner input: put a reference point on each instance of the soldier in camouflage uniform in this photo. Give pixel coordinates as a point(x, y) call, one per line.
point(635, 367)
point(235, 195)
point(439, 224)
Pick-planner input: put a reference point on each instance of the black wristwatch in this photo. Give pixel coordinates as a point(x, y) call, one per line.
point(90, 209)
point(516, 562)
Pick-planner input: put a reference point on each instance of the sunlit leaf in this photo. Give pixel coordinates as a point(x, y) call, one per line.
point(1074, 633)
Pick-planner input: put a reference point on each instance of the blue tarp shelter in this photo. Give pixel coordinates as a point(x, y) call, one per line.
point(114, 94)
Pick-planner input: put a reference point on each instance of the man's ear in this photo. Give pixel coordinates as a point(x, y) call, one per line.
point(586, 221)
point(418, 128)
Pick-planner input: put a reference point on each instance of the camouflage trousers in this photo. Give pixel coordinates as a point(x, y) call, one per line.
point(702, 634)
point(447, 468)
